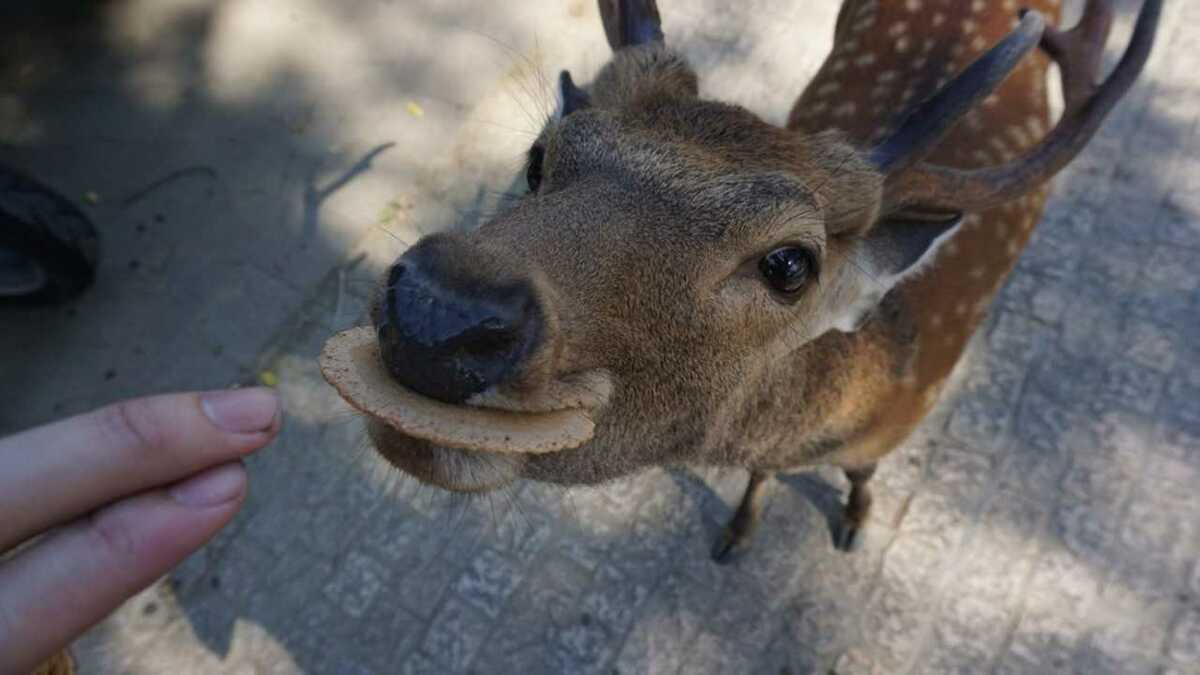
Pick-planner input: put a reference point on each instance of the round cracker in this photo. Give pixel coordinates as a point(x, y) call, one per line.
point(351, 363)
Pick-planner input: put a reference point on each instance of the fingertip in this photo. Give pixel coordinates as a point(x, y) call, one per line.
point(215, 487)
point(255, 409)
point(248, 444)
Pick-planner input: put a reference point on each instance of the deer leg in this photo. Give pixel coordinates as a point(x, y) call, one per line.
point(735, 538)
point(858, 507)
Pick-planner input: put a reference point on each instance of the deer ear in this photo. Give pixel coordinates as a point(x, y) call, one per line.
point(570, 97)
point(896, 249)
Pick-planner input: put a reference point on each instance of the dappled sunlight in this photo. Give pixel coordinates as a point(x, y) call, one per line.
point(251, 643)
point(154, 38)
point(346, 93)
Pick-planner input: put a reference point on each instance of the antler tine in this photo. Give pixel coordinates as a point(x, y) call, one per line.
point(628, 23)
point(1080, 51)
point(939, 188)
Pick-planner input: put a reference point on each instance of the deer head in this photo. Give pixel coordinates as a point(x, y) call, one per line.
point(683, 253)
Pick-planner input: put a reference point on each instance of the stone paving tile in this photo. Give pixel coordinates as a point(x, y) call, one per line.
point(1044, 519)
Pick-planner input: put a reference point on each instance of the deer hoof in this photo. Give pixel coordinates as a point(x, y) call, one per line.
point(728, 547)
point(849, 538)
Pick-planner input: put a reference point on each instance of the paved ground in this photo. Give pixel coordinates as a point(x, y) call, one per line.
point(256, 161)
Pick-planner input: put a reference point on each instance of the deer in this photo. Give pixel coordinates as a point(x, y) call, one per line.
point(714, 290)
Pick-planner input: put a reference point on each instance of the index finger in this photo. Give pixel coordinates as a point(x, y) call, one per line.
point(54, 473)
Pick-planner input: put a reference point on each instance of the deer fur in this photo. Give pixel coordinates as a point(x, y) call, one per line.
point(644, 238)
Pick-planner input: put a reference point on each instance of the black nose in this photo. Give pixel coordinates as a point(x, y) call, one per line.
point(448, 336)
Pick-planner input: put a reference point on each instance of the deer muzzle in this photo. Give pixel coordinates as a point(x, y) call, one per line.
point(449, 332)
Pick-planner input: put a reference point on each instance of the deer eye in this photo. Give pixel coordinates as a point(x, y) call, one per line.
point(533, 169)
point(788, 268)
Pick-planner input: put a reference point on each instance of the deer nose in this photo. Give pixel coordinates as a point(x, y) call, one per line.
point(449, 340)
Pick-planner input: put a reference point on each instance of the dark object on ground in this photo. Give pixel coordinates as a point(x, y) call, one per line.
point(48, 247)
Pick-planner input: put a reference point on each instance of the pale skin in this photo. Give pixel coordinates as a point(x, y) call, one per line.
point(104, 503)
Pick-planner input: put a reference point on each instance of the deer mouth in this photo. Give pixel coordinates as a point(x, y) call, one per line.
point(475, 446)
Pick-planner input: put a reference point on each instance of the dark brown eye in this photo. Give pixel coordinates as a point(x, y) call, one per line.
point(788, 269)
point(533, 170)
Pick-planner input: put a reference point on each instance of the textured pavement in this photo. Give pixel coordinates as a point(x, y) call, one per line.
point(1043, 520)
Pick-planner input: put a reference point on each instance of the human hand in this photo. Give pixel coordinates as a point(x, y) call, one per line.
point(137, 486)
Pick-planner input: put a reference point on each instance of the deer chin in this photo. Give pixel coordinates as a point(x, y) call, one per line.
point(478, 446)
point(453, 469)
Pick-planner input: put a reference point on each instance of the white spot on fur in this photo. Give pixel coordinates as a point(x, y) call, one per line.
point(846, 109)
point(828, 88)
point(865, 60)
point(938, 19)
point(1013, 247)
point(977, 272)
point(903, 43)
point(977, 6)
point(935, 320)
point(898, 28)
point(979, 44)
point(1036, 126)
point(863, 25)
point(1020, 136)
point(837, 66)
point(887, 76)
point(913, 6)
point(969, 26)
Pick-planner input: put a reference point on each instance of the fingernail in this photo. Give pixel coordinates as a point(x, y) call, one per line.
point(212, 488)
point(242, 410)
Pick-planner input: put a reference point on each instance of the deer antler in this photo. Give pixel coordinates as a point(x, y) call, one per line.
point(628, 23)
point(933, 119)
point(1078, 52)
